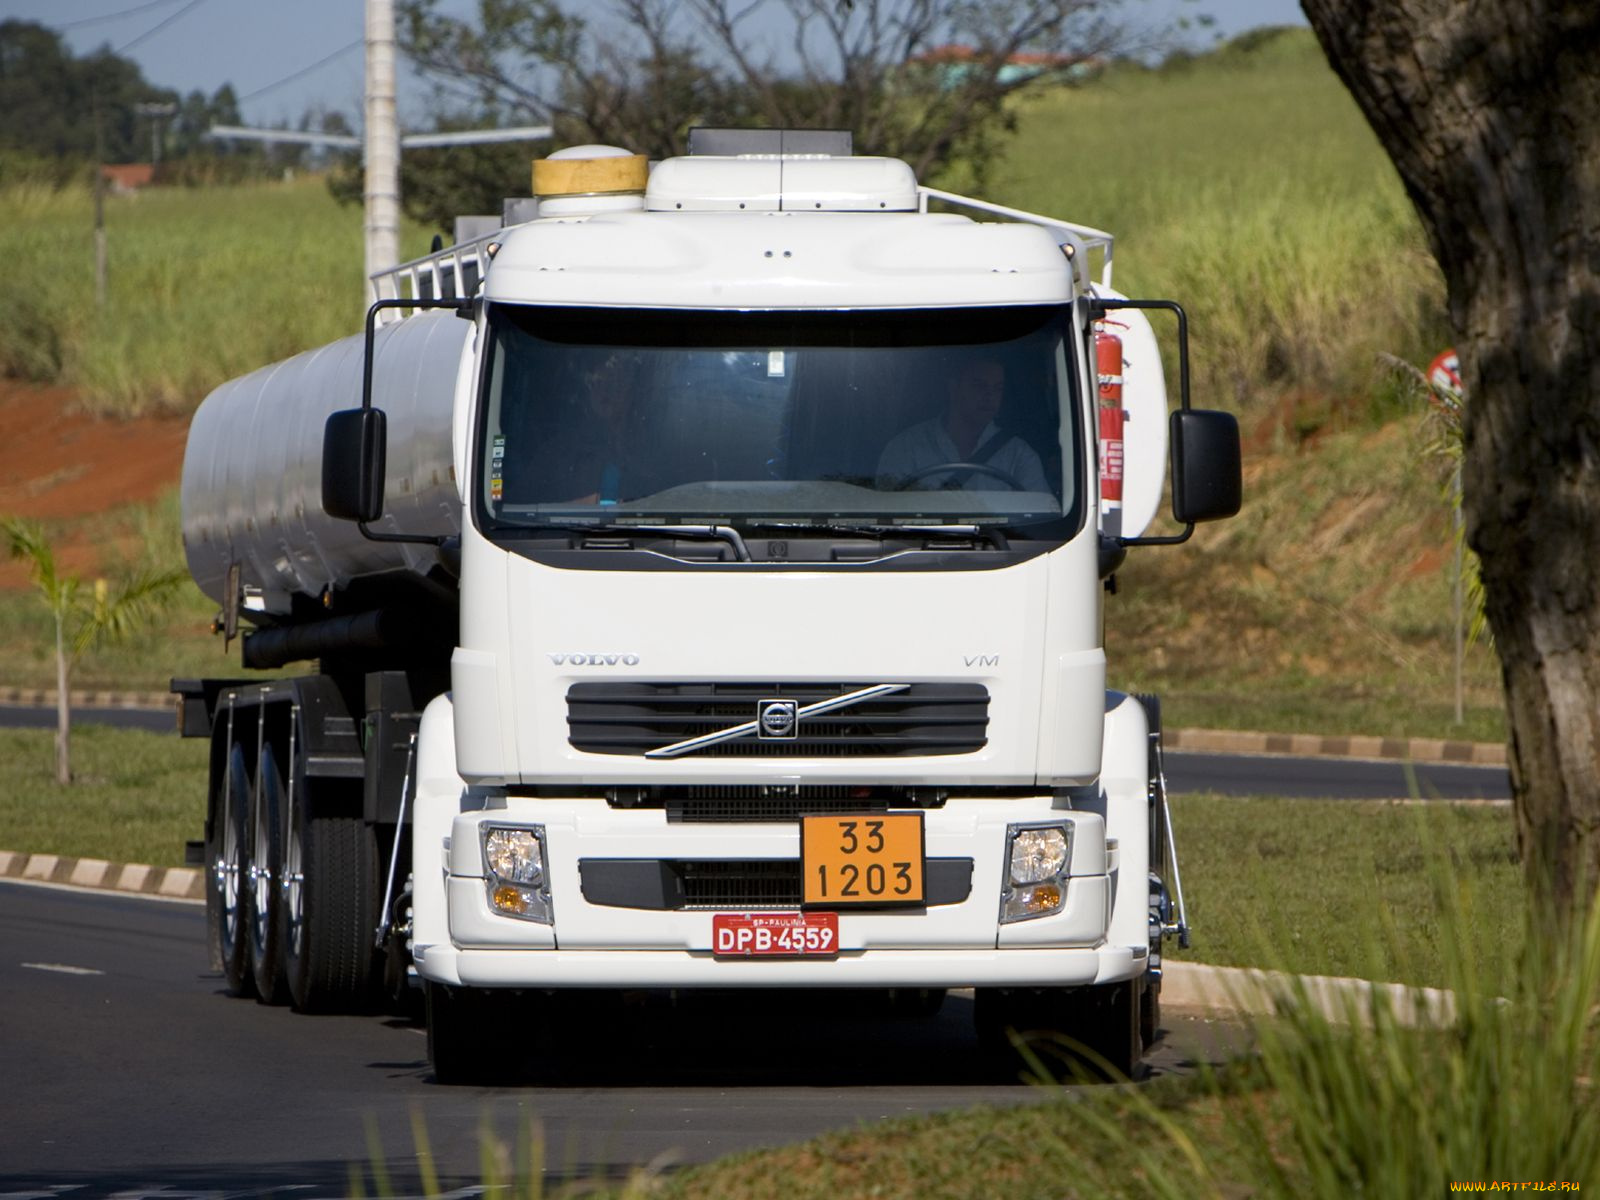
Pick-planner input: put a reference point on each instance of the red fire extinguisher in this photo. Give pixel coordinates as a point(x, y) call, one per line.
point(1108, 369)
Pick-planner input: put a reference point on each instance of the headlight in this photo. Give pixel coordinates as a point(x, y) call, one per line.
point(513, 855)
point(1037, 861)
point(513, 872)
point(1038, 855)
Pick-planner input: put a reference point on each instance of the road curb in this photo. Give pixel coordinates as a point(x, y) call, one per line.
point(1204, 741)
point(41, 698)
point(1311, 745)
point(173, 883)
point(1203, 990)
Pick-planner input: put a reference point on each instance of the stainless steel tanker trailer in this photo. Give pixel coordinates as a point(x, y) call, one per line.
point(308, 771)
point(700, 585)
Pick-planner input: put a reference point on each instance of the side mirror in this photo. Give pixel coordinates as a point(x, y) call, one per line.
point(1206, 477)
point(353, 443)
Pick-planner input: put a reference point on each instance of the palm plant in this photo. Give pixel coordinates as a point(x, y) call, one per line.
point(83, 616)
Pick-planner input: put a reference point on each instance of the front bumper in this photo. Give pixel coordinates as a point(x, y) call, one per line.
point(958, 944)
point(859, 969)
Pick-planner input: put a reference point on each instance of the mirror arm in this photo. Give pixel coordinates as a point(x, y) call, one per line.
point(1098, 308)
point(464, 308)
point(1176, 539)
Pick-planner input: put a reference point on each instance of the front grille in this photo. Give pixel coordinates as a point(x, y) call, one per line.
point(757, 883)
point(692, 809)
point(924, 719)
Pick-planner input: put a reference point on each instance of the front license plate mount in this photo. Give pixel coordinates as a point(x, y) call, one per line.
point(775, 935)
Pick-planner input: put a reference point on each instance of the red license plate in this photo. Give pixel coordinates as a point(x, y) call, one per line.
point(775, 935)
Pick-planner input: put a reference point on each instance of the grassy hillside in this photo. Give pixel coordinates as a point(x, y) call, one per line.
point(1246, 185)
point(203, 284)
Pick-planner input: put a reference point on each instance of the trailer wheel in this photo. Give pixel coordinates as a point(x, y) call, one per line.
point(227, 866)
point(471, 1039)
point(264, 895)
point(1150, 1002)
point(330, 900)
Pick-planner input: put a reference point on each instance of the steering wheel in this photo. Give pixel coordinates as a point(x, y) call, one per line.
point(981, 468)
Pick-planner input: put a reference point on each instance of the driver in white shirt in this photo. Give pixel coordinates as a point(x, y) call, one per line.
point(965, 437)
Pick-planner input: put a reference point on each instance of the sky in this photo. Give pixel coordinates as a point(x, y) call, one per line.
point(258, 45)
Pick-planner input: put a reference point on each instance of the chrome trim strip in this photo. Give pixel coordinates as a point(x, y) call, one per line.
point(749, 727)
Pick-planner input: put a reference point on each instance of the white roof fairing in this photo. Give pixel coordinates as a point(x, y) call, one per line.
point(778, 260)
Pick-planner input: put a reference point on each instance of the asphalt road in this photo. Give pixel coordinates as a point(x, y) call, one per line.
point(1231, 774)
point(1332, 778)
point(127, 1071)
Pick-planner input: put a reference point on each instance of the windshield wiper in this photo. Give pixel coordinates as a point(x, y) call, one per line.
point(990, 533)
point(713, 533)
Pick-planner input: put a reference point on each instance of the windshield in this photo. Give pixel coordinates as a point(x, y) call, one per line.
point(869, 417)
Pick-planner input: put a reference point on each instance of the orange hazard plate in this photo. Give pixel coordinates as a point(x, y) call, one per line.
point(862, 860)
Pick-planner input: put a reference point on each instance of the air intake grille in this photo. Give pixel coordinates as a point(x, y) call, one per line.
point(736, 884)
point(691, 809)
point(923, 719)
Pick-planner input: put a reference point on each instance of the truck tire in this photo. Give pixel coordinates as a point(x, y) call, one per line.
point(471, 1039)
point(1056, 1026)
point(227, 865)
point(329, 910)
point(1150, 1002)
point(1108, 1017)
point(264, 896)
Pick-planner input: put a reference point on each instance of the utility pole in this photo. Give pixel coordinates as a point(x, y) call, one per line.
point(382, 191)
point(99, 207)
point(155, 112)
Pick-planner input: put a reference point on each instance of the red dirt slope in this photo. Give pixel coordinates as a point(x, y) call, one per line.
point(59, 464)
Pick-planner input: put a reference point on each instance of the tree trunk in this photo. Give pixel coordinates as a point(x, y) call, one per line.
point(1491, 113)
point(63, 710)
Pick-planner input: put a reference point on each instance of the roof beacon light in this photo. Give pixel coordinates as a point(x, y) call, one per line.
point(583, 180)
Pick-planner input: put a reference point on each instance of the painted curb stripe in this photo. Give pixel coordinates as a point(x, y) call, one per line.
point(180, 883)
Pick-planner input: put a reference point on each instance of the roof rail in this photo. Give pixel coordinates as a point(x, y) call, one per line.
point(1083, 239)
point(459, 270)
point(455, 271)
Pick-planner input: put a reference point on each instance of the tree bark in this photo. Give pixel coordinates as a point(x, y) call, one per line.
point(1491, 114)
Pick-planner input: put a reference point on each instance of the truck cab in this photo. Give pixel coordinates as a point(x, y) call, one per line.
point(779, 516)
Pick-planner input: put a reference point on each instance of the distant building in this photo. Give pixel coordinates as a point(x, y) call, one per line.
point(956, 60)
point(127, 178)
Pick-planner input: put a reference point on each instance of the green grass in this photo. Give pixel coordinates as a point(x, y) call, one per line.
point(1337, 887)
point(1246, 185)
point(203, 285)
point(136, 797)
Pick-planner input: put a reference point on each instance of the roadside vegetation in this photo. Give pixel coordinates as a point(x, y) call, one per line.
point(1242, 182)
point(203, 284)
point(135, 797)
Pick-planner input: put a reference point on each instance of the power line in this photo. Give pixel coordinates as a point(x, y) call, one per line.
point(159, 26)
point(116, 16)
point(290, 78)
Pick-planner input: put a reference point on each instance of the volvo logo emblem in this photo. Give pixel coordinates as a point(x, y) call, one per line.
point(778, 718)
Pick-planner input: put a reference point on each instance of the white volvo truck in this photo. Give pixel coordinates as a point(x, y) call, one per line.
point(709, 596)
